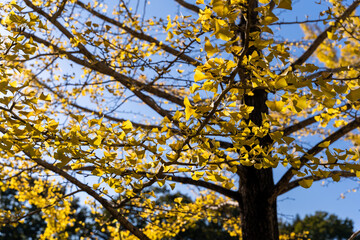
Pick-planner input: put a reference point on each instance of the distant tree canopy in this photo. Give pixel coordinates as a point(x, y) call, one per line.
point(33, 224)
point(108, 99)
point(320, 226)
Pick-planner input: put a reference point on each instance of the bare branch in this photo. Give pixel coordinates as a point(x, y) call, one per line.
point(307, 21)
point(105, 69)
point(354, 235)
point(88, 110)
point(126, 81)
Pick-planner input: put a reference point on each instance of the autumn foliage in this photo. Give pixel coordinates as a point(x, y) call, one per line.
point(101, 100)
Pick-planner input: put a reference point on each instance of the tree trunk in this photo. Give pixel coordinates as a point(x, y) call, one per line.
point(258, 215)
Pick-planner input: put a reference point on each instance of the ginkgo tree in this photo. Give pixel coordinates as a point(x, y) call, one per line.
point(213, 98)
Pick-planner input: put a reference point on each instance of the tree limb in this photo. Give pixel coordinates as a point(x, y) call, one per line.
point(199, 183)
point(293, 184)
point(141, 35)
point(208, 185)
point(285, 179)
point(332, 70)
point(126, 81)
point(300, 125)
point(189, 6)
point(323, 36)
point(117, 215)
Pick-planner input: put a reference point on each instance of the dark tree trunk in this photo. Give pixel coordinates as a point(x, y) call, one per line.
point(258, 215)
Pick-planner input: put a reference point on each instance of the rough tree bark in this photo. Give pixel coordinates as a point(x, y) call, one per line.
point(258, 214)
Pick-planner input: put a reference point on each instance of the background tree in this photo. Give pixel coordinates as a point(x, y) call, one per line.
point(224, 102)
point(321, 225)
point(33, 223)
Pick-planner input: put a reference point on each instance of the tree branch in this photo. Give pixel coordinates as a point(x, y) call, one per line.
point(117, 215)
point(300, 125)
point(126, 81)
point(332, 70)
point(141, 35)
point(189, 6)
point(285, 179)
point(323, 35)
point(123, 221)
point(354, 235)
point(60, 10)
point(199, 183)
point(88, 110)
point(208, 185)
point(293, 184)
point(105, 69)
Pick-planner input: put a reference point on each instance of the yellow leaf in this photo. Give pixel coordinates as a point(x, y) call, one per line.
point(197, 98)
point(324, 144)
point(210, 50)
point(97, 140)
point(275, 105)
point(45, 97)
point(189, 111)
point(271, 18)
point(13, 84)
point(286, 4)
point(194, 87)
point(168, 24)
point(96, 185)
point(127, 125)
point(280, 83)
point(178, 200)
point(199, 76)
point(197, 175)
point(300, 103)
point(354, 95)
point(306, 183)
